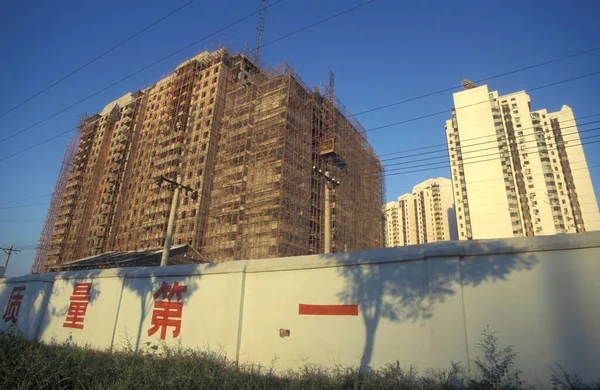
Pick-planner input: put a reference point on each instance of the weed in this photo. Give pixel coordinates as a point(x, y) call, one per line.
point(26, 364)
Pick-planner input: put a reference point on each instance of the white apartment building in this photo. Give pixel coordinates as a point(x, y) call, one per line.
point(425, 215)
point(391, 227)
point(517, 172)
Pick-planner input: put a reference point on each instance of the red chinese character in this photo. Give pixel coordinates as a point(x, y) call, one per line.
point(78, 306)
point(14, 304)
point(166, 313)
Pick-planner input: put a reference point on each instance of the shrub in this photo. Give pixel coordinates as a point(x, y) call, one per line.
point(496, 369)
point(26, 364)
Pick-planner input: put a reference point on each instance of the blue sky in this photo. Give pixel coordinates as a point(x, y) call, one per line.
point(381, 53)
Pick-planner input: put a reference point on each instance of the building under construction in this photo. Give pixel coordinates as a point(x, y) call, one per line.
point(258, 147)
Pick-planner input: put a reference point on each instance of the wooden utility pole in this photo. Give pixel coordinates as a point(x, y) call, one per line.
point(329, 184)
point(176, 186)
point(327, 218)
point(8, 252)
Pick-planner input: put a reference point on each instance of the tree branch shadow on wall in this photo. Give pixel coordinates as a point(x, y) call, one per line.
point(40, 319)
point(144, 287)
point(77, 277)
point(410, 290)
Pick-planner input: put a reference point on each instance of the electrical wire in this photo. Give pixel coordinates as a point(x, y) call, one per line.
point(447, 165)
point(477, 103)
point(406, 172)
point(470, 139)
point(527, 150)
point(81, 67)
point(373, 129)
point(22, 199)
point(180, 50)
point(494, 141)
point(24, 206)
point(20, 221)
point(533, 66)
point(156, 62)
point(279, 39)
point(131, 75)
point(489, 148)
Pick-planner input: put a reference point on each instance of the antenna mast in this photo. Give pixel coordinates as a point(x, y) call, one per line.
point(259, 30)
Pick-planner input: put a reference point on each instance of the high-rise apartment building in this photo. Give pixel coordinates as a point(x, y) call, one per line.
point(517, 172)
point(425, 215)
point(247, 140)
point(392, 224)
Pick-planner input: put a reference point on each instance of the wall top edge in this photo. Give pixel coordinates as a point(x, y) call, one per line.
point(443, 249)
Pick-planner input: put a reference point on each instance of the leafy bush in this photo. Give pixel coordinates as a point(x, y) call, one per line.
point(497, 369)
point(563, 380)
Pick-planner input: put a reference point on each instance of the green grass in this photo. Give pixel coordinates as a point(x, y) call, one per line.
point(26, 364)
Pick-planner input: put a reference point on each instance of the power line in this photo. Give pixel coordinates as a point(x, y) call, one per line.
point(495, 140)
point(498, 157)
point(474, 157)
point(156, 62)
point(22, 243)
point(61, 134)
point(24, 206)
point(20, 221)
point(472, 139)
point(406, 172)
point(373, 129)
point(96, 58)
point(22, 199)
point(177, 52)
point(447, 165)
point(319, 22)
point(130, 76)
point(482, 102)
point(533, 174)
point(477, 81)
point(271, 42)
point(436, 165)
point(67, 131)
point(469, 151)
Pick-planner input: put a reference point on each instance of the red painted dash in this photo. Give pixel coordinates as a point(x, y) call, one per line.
point(328, 310)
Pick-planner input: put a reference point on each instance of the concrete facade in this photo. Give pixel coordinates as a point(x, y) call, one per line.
point(423, 216)
point(424, 306)
point(517, 172)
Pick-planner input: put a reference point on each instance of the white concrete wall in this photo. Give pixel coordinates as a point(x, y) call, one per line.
point(422, 305)
point(211, 307)
point(32, 308)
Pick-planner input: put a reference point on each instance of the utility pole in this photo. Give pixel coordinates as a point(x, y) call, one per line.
point(8, 252)
point(329, 184)
point(176, 186)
